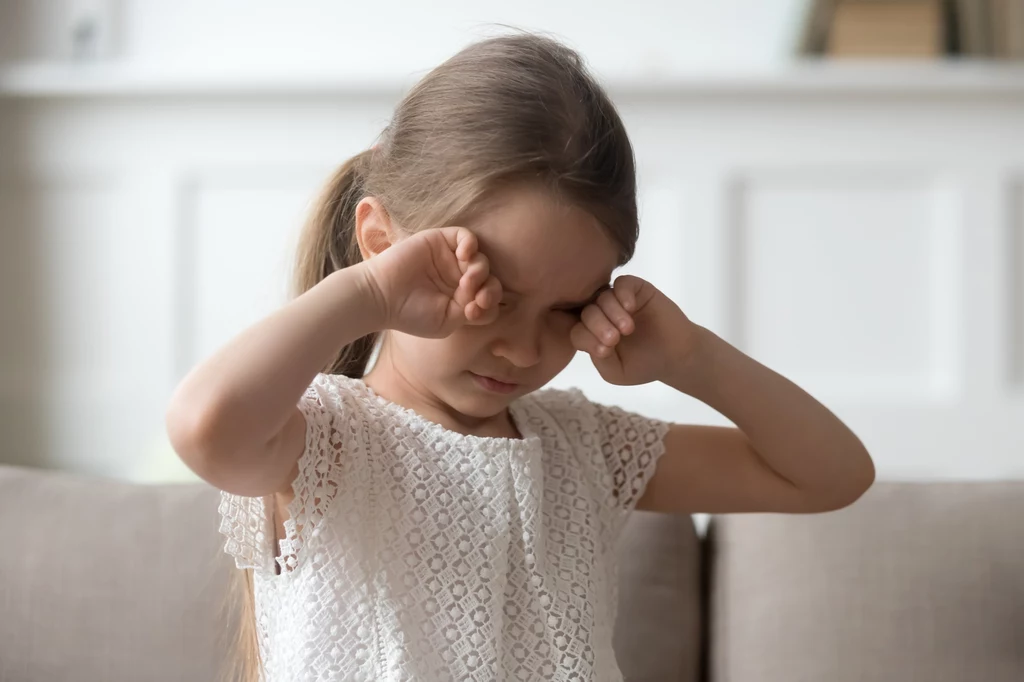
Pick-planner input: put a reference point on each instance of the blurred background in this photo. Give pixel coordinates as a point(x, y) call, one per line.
point(835, 187)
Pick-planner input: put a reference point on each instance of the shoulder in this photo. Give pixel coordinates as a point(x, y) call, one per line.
point(558, 404)
point(573, 404)
point(338, 412)
point(563, 414)
point(558, 400)
point(592, 423)
point(337, 395)
point(333, 389)
point(616, 448)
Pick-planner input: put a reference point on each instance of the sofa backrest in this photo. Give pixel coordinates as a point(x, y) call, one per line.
point(118, 582)
point(659, 629)
point(109, 581)
point(913, 582)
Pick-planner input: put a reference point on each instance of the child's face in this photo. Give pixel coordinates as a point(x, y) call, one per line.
point(551, 258)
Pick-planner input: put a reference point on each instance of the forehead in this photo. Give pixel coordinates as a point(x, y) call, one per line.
point(539, 245)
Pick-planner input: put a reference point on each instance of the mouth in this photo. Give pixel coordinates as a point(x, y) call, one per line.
point(494, 385)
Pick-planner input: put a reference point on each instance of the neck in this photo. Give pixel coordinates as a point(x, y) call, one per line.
point(387, 380)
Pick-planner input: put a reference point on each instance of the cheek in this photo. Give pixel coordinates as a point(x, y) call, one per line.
point(558, 348)
point(429, 356)
point(469, 343)
point(461, 347)
point(559, 326)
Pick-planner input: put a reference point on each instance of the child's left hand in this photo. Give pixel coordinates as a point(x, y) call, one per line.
point(635, 334)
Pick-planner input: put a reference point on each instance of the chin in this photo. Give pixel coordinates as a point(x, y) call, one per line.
point(472, 399)
point(477, 407)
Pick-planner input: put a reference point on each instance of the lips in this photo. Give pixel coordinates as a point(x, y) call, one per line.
point(500, 379)
point(494, 384)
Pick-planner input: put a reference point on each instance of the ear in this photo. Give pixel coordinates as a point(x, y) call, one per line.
point(374, 230)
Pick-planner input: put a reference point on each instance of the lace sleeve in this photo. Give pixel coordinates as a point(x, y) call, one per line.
point(631, 445)
point(618, 449)
point(247, 522)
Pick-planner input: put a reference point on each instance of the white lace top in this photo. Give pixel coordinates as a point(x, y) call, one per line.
point(416, 553)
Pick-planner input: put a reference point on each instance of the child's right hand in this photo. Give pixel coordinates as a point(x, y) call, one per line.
point(432, 282)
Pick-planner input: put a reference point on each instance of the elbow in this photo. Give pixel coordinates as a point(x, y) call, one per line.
point(854, 483)
point(864, 477)
point(193, 431)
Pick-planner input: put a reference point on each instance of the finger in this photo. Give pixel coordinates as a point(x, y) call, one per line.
point(466, 245)
point(484, 308)
point(489, 295)
point(599, 325)
point(475, 274)
point(474, 313)
point(613, 309)
point(633, 292)
point(583, 339)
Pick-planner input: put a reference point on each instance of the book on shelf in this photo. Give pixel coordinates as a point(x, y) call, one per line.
point(896, 28)
point(914, 28)
point(974, 21)
point(817, 21)
point(1007, 27)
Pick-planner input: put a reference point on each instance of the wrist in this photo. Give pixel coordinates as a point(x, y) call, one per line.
point(371, 288)
point(692, 367)
point(370, 302)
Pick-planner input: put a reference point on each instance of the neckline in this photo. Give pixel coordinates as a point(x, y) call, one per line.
point(516, 414)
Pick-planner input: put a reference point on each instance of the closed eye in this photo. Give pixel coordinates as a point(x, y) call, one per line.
point(576, 311)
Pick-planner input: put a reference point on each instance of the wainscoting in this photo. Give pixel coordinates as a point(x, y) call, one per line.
point(859, 228)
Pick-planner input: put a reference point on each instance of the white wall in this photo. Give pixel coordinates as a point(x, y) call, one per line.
point(403, 36)
point(859, 228)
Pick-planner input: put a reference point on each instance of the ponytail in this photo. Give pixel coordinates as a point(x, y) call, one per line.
point(328, 243)
point(246, 663)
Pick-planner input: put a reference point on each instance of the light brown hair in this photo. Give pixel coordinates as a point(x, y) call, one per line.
point(513, 109)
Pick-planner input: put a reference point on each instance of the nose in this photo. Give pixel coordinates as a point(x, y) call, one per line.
point(519, 343)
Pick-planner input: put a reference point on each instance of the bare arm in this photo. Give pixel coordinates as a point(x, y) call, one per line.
point(789, 454)
point(234, 420)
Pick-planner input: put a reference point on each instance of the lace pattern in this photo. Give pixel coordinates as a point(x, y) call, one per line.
point(413, 552)
point(245, 523)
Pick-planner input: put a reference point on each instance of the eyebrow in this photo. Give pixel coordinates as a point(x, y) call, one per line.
point(562, 304)
point(587, 301)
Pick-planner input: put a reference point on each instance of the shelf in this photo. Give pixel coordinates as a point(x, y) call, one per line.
point(894, 78)
point(114, 80)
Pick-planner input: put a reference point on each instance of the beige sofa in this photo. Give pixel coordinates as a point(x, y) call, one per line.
point(115, 582)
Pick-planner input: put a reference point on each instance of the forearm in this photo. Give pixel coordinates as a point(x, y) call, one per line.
point(795, 435)
point(243, 394)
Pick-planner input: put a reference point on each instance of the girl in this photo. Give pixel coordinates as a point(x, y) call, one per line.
point(435, 516)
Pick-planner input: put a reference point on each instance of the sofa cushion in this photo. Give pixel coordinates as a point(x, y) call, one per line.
point(913, 582)
point(109, 581)
point(658, 629)
point(112, 581)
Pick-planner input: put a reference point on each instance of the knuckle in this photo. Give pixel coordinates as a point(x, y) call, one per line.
point(628, 281)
